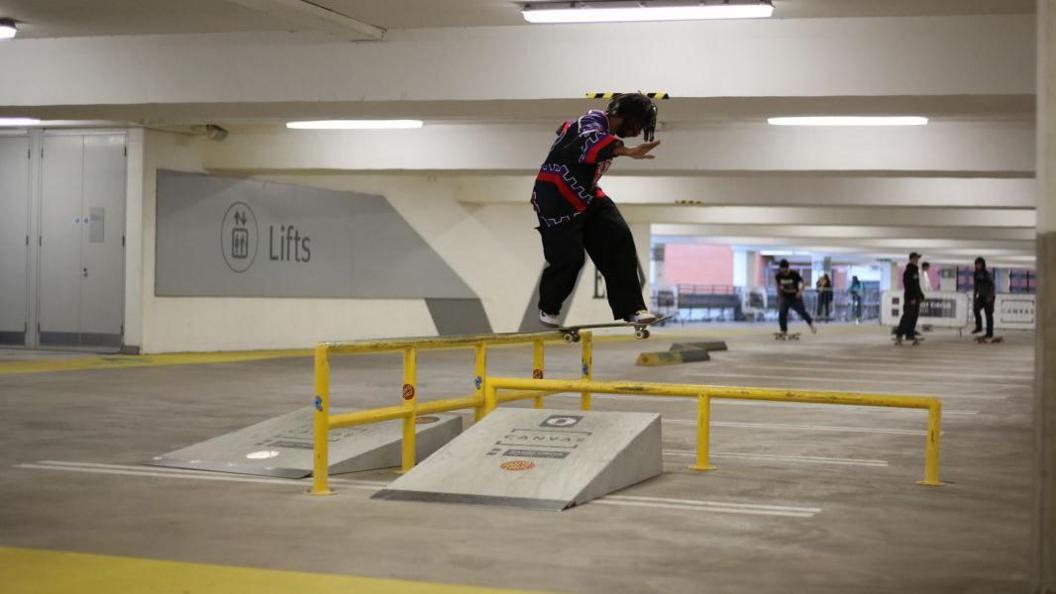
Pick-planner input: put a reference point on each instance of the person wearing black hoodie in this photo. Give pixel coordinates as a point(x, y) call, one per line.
point(984, 296)
point(911, 299)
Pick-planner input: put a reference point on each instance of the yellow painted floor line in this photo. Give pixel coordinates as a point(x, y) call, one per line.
point(133, 361)
point(26, 571)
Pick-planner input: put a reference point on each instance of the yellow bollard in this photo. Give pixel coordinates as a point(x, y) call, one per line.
point(931, 448)
point(537, 368)
point(703, 433)
point(410, 401)
point(321, 418)
point(480, 376)
point(587, 338)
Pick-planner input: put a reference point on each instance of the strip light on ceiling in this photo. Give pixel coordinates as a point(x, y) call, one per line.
point(613, 12)
point(848, 121)
point(8, 29)
point(355, 125)
point(18, 122)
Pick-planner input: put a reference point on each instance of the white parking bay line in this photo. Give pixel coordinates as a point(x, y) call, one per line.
point(834, 428)
point(619, 500)
point(710, 506)
point(787, 458)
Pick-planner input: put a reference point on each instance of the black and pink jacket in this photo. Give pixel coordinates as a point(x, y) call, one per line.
point(567, 183)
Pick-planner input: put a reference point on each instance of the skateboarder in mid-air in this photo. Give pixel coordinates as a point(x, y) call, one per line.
point(790, 295)
point(575, 215)
point(984, 295)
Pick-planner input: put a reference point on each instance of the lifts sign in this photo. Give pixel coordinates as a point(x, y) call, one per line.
point(240, 240)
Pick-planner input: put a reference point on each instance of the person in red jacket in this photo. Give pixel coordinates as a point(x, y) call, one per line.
point(577, 218)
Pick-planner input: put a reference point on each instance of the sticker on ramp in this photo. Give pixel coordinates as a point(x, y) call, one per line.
point(561, 421)
point(536, 454)
point(515, 465)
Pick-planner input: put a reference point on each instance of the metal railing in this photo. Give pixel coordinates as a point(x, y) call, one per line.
point(410, 407)
point(704, 394)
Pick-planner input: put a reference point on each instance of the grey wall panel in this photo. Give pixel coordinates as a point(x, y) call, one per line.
point(458, 316)
point(228, 237)
point(14, 229)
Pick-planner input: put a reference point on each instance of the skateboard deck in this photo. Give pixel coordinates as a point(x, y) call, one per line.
point(985, 340)
point(784, 336)
point(641, 330)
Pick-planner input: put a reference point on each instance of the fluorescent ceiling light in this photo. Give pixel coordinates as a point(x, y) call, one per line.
point(18, 122)
point(610, 12)
point(849, 121)
point(8, 29)
point(355, 125)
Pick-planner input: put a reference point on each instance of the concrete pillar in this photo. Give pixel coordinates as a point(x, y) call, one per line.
point(754, 265)
point(1043, 571)
point(1002, 279)
point(889, 279)
point(740, 268)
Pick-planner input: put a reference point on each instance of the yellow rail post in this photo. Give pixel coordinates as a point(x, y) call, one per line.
point(931, 448)
point(538, 359)
point(489, 398)
point(587, 338)
point(480, 373)
point(410, 400)
point(703, 433)
point(321, 418)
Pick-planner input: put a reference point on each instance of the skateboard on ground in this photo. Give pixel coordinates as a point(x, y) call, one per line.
point(913, 341)
point(991, 340)
point(641, 329)
point(786, 336)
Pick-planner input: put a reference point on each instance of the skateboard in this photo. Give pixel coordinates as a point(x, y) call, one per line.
point(913, 341)
point(786, 336)
point(992, 340)
point(641, 330)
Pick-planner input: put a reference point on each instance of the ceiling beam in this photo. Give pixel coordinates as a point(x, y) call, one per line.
point(302, 13)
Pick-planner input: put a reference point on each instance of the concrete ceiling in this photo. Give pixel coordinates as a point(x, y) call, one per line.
point(491, 98)
point(77, 18)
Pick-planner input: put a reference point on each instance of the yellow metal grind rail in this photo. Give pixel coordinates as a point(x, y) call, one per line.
point(704, 395)
point(410, 408)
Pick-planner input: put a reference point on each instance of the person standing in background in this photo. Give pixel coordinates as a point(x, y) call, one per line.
point(911, 298)
point(856, 290)
point(925, 288)
point(984, 295)
point(823, 308)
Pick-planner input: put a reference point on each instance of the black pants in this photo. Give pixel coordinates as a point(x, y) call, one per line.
point(796, 304)
point(601, 233)
point(907, 326)
point(988, 307)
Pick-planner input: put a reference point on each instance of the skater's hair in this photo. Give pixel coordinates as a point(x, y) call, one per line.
point(637, 108)
point(783, 263)
point(925, 265)
point(980, 260)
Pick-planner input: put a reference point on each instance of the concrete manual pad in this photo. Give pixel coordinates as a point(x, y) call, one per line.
point(282, 446)
point(538, 459)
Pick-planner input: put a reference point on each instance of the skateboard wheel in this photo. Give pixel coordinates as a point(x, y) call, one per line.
point(570, 337)
point(643, 333)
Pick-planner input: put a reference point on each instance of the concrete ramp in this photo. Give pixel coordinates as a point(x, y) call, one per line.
point(538, 459)
point(282, 446)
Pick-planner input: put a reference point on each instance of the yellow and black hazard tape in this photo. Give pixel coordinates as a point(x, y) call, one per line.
point(612, 95)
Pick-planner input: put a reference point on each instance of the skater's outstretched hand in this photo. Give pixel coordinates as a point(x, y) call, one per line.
point(638, 152)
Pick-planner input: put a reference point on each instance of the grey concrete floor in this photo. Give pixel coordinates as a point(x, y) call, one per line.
point(868, 527)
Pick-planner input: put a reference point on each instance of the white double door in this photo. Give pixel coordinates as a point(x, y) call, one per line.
point(62, 211)
point(81, 241)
